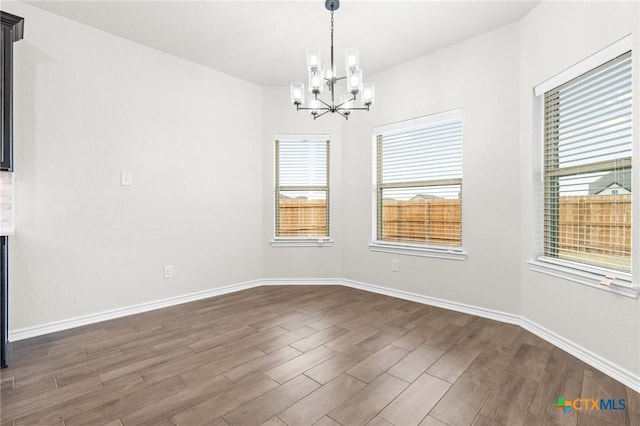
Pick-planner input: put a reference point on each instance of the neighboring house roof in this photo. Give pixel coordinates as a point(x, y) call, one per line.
point(621, 178)
point(426, 197)
point(286, 197)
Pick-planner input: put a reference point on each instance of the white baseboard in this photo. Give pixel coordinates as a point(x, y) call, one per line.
point(607, 367)
point(302, 281)
point(622, 375)
point(52, 327)
point(441, 303)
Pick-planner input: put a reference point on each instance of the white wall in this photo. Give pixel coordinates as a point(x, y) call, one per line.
point(89, 105)
point(281, 117)
point(555, 36)
point(481, 76)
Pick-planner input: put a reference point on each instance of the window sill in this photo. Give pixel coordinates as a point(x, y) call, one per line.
point(302, 242)
point(419, 250)
point(622, 284)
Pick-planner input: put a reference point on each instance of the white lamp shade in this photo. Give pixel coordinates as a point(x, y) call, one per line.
point(329, 73)
point(316, 82)
point(297, 93)
point(368, 93)
point(314, 104)
point(314, 62)
point(352, 59)
point(354, 81)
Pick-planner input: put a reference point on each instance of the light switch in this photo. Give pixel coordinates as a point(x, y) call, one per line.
point(125, 179)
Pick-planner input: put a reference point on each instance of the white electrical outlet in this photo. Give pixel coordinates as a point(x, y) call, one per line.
point(126, 179)
point(168, 272)
point(395, 265)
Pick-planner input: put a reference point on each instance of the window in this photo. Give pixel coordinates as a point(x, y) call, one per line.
point(418, 181)
point(302, 188)
point(587, 168)
point(587, 171)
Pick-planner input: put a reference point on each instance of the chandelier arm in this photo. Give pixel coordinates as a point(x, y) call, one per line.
point(340, 105)
point(320, 115)
point(317, 109)
point(325, 104)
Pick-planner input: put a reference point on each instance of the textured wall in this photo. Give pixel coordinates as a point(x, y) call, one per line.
point(89, 105)
point(480, 76)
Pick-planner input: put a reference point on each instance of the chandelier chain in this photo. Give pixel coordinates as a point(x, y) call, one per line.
point(332, 27)
point(332, 39)
point(331, 83)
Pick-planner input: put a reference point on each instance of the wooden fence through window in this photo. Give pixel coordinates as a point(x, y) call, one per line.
point(300, 217)
point(596, 224)
point(436, 221)
point(593, 224)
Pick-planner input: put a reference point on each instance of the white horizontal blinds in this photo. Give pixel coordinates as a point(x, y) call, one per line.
point(426, 153)
point(302, 188)
point(587, 166)
point(419, 184)
point(303, 163)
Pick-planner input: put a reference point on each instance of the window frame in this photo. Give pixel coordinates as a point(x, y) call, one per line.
point(406, 248)
point(301, 241)
point(582, 273)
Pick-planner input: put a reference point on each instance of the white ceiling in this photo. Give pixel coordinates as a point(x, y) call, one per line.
point(265, 41)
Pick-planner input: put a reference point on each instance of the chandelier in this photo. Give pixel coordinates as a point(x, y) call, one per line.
point(320, 76)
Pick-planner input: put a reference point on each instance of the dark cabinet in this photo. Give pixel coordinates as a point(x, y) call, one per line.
point(12, 31)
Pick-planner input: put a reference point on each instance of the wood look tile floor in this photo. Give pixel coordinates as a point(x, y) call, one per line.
point(301, 355)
